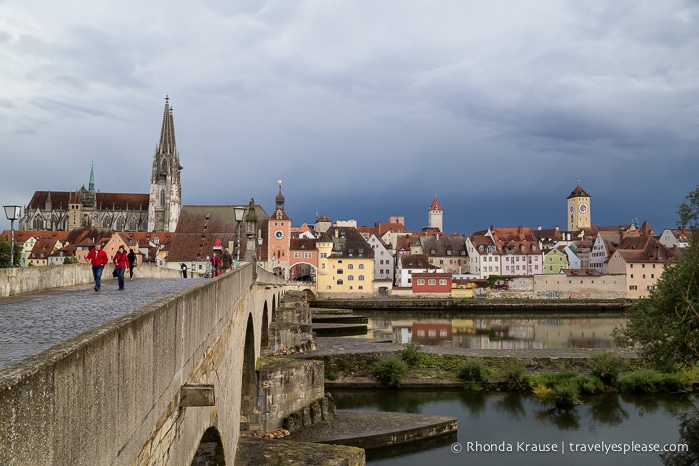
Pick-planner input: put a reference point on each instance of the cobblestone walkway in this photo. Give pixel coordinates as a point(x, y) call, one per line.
point(34, 322)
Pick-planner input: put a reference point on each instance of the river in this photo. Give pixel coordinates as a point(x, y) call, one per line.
point(502, 428)
point(477, 331)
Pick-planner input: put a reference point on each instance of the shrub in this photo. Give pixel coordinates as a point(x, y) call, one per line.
point(513, 373)
point(542, 392)
point(644, 381)
point(673, 382)
point(390, 370)
point(549, 379)
point(411, 354)
point(588, 385)
point(566, 392)
point(606, 367)
point(650, 381)
point(473, 370)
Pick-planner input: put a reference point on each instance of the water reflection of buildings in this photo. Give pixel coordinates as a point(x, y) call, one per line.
point(498, 333)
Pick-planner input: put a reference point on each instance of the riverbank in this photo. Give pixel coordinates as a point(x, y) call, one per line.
point(350, 362)
point(477, 305)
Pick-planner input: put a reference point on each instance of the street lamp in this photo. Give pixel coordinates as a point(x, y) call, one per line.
point(12, 212)
point(239, 212)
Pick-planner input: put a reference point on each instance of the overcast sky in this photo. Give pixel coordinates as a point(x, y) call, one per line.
point(365, 109)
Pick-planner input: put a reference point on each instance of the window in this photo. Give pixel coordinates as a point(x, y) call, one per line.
point(350, 266)
point(442, 281)
point(360, 278)
point(432, 333)
point(431, 282)
point(633, 287)
point(443, 333)
point(350, 277)
point(420, 281)
point(339, 271)
point(297, 255)
point(361, 266)
point(307, 255)
point(340, 282)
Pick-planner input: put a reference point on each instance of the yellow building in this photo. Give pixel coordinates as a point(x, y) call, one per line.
point(345, 264)
point(642, 260)
point(463, 289)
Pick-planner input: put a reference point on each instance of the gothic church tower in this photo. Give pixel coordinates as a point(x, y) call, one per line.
point(165, 199)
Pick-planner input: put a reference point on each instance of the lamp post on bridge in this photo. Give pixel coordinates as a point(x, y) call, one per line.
point(12, 212)
point(239, 212)
point(250, 229)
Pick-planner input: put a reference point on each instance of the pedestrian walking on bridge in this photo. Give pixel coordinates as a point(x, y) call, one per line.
point(132, 263)
point(121, 261)
point(98, 258)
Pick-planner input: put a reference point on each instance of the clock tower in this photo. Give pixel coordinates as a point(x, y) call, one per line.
point(279, 237)
point(578, 209)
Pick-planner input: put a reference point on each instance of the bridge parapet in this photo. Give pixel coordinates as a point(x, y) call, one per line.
point(20, 280)
point(112, 395)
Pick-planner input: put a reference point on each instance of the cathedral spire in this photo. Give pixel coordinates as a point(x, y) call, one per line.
point(91, 186)
point(167, 132)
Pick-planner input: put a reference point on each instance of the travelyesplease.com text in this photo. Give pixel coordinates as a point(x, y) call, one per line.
point(567, 447)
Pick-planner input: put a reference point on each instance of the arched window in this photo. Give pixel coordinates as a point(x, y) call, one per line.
point(38, 223)
point(361, 266)
point(120, 224)
point(106, 223)
point(133, 224)
point(350, 266)
point(361, 278)
point(350, 277)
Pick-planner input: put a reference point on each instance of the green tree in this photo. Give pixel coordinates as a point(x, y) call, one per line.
point(666, 324)
point(5, 253)
point(688, 211)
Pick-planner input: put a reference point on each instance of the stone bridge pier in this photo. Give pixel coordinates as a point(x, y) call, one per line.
point(153, 386)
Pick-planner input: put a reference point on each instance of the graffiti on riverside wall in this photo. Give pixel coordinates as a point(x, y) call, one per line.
point(549, 294)
point(557, 294)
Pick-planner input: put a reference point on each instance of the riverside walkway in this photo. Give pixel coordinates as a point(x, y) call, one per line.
point(33, 322)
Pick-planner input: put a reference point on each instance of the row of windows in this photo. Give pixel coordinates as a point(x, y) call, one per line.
point(350, 278)
point(432, 333)
point(432, 281)
point(307, 255)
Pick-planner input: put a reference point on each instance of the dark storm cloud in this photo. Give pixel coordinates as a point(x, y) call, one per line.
point(364, 109)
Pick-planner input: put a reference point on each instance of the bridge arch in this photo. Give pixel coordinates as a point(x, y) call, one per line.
point(303, 271)
point(210, 451)
point(248, 395)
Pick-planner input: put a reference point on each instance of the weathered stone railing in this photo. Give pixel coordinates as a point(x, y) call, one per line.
point(111, 395)
point(19, 280)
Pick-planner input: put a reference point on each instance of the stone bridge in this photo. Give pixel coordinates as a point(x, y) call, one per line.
point(155, 385)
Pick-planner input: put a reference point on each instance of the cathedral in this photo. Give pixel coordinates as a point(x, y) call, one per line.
point(158, 210)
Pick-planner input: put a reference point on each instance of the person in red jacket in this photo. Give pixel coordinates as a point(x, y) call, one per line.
point(99, 259)
point(121, 260)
